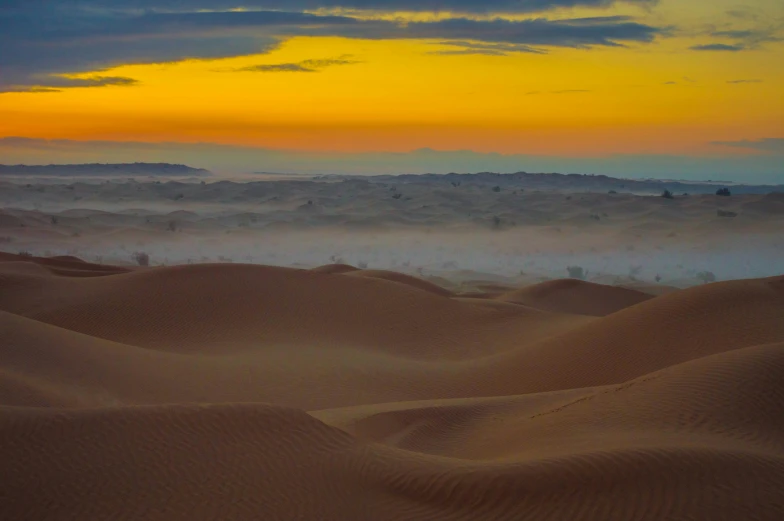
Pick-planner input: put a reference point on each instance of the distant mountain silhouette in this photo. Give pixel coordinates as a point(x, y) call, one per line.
point(100, 169)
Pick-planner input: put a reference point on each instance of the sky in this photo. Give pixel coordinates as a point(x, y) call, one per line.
point(655, 88)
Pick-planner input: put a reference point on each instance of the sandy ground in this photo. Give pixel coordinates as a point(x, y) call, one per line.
point(246, 392)
point(324, 350)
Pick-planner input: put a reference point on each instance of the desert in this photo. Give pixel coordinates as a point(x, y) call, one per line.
point(391, 260)
point(318, 348)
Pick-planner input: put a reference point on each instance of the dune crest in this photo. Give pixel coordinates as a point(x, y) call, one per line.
point(576, 297)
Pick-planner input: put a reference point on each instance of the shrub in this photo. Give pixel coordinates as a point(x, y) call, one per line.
point(397, 196)
point(577, 272)
point(362, 265)
point(726, 213)
point(141, 258)
point(26, 254)
point(706, 277)
point(496, 189)
point(667, 194)
point(723, 192)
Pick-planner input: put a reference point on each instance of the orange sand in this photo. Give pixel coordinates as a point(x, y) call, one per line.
point(245, 392)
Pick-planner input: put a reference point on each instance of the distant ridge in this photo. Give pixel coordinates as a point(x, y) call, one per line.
point(100, 169)
point(574, 182)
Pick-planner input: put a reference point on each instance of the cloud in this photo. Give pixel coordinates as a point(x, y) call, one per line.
point(565, 91)
point(55, 83)
point(750, 37)
point(453, 6)
point(488, 49)
point(768, 144)
point(570, 91)
point(718, 47)
point(744, 39)
point(42, 39)
point(303, 66)
point(742, 13)
point(743, 81)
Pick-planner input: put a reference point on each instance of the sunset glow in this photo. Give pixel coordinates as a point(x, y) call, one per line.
point(697, 73)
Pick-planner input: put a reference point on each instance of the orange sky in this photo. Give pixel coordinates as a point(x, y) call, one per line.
point(398, 95)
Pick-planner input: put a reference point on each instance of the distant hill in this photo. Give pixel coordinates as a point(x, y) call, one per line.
point(574, 183)
point(101, 170)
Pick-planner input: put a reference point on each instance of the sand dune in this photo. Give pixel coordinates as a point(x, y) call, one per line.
point(238, 391)
point(576, 297)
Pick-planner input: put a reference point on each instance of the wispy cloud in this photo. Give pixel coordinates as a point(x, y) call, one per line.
point(750, 37)
point(57, 83)
point(768, 144)
point(487, 49)
point(718, 47)
point(736, 82)
point(747, 39)
point(743, 13)
point(302, 66)
point(565, 91)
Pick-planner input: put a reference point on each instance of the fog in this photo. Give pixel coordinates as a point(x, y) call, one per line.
point(461, 234)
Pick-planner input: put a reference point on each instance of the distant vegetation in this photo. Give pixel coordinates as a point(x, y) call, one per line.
point(723, 192)
point(577, 272)
point(726, 213)
point(706, 277)
point(141, 258)
point(667, 194)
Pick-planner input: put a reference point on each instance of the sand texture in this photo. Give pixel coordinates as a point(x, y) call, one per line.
point(248, 392)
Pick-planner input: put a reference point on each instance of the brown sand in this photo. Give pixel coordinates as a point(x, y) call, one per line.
point(244, 392)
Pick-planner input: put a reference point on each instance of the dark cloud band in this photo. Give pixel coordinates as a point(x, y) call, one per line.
point(39, 43)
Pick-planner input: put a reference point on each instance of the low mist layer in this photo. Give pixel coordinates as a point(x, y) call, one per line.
point(461, 229)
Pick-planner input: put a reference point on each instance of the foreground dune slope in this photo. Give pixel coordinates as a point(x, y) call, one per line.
point(253, 392)
point(675, 445)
